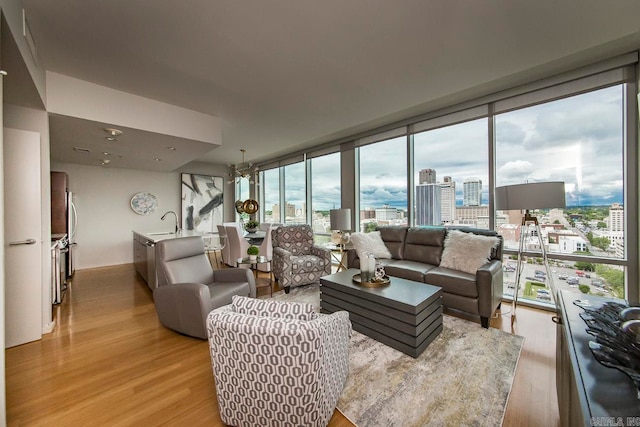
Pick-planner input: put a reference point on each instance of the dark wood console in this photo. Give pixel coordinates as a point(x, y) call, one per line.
point(589, 394)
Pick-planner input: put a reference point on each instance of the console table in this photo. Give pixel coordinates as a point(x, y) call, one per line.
point(588, 393)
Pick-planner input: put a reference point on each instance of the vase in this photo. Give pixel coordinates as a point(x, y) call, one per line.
point(253, 258)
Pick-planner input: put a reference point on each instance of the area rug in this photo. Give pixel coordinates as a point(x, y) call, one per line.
point(463, 378)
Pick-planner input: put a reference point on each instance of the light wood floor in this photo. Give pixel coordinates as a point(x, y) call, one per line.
point(110, 362)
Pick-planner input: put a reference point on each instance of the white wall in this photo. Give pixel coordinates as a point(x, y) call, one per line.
point(105, 217)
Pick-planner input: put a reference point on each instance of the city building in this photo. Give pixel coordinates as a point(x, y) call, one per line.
point(616, 217)
point(428, 204)
point(427, 176)
point(472, 192)
point(448, 200)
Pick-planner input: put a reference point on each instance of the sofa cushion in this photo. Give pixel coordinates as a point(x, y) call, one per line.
point(453, 281)
point(467, 251)
point(410, 270)
point(424, 244)
point(394, 237)
point(371, 243)
point(273, 308)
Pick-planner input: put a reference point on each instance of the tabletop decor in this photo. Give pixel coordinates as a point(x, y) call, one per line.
point(144, 203)
point(616, 344)
point(251, 226)
point(253, 252)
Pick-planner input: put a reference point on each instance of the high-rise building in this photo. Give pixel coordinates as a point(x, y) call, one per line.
point(448, 197)
point(428, 204)
point(386, 213)
point(427, 176)
point(472, 189)
point(616, 217)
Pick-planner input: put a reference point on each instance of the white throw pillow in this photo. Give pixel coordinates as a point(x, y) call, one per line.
point(371, 243)
point(467, 251)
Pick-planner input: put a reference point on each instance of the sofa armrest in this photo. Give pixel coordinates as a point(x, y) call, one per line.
point(490, 287)
point(352, 259)
point(183, 307)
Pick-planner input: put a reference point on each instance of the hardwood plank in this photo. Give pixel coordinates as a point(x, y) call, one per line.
point(110, 361)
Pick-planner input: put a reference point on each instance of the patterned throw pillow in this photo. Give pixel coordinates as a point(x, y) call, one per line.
point(467, 251)
point(272, 308)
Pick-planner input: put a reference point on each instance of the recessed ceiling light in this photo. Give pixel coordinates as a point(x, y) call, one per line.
point(171, 148)
point(157, 159)
point(105, 162)
point(113, 134)
point(106, 154)
point(113, 131)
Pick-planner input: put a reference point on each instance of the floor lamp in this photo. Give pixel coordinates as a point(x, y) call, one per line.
point(539, 195)
point(340, 222)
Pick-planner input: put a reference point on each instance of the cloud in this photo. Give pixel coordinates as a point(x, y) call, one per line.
point(508, 133)
point(515, 172)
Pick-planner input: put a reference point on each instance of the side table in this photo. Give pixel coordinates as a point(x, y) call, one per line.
point(338, 254)
point(253, 265)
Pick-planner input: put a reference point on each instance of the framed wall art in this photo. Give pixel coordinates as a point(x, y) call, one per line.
point(202, 207)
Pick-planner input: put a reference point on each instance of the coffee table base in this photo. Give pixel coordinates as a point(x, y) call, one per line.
point(407, 318)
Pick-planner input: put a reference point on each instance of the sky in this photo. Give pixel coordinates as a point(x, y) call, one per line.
point(578, 140)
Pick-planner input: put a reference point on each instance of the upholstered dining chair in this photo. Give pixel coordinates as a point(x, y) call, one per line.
point(296, 259)
point(238, 245)
point(277, 363)
point(188, 287)
point(226, 254)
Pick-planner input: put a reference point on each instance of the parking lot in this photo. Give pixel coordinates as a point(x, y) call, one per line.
point(565, 278)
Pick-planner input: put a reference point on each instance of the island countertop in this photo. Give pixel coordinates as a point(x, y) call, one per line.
point(156, 236)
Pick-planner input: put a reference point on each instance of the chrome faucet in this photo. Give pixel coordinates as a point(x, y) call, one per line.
point(174, 214)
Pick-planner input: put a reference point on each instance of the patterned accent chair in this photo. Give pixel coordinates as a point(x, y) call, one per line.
point(296, 261)
point(277, 363)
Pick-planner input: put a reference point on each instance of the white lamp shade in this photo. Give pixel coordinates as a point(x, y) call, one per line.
point(340, 219)
point(537, 195)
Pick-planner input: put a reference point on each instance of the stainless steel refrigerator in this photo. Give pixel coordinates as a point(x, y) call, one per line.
point(64, 217)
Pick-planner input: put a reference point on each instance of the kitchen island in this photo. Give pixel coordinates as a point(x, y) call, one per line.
point(144, 251)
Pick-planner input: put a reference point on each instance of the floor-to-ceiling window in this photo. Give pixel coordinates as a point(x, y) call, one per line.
point(578, 140)
point(325, 190)
point(451, 175)
point(295, 200)
point(577, 128)
point(383, 183)
point(270, 195)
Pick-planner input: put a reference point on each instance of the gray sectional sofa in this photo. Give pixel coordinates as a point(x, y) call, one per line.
point(416, 254)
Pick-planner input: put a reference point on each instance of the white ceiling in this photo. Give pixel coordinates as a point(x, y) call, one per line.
point(287, 74)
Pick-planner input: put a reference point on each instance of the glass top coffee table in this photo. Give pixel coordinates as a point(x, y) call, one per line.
point(253, 265)
point(405, 315)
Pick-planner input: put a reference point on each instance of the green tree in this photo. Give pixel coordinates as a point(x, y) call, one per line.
point(370, 226)
point(602, 224)
point(584, 289)
point(613, 277)
point(586, 266)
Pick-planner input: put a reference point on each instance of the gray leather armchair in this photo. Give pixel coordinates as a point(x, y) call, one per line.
point(188, 288)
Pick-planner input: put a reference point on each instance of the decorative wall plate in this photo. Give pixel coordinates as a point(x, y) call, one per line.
point(144, 203)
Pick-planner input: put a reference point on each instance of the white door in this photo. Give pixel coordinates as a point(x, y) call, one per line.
point(22, 239)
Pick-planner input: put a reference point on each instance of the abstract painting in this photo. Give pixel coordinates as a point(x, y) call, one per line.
point(202, 208)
